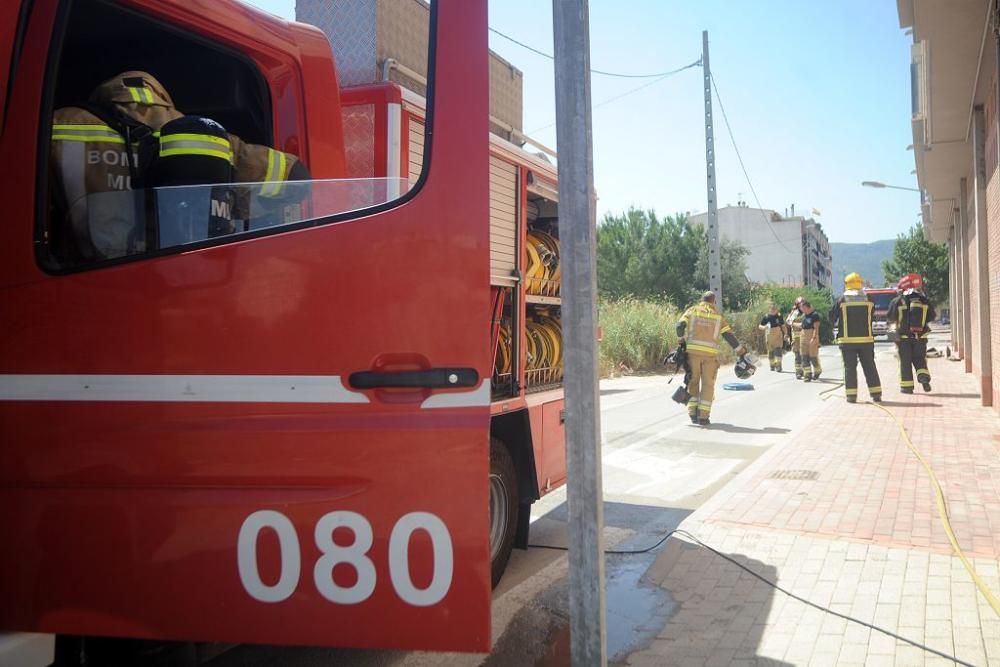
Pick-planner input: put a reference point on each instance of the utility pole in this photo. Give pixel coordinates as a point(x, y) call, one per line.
point(714, 253)
point(577, 235)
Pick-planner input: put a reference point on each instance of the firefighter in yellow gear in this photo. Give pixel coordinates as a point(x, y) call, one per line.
point(774, 332)
point(702, 328)
point(794, 325)
point(100, 152)
point(809, 343)
point(853, 314)
point(909, 314)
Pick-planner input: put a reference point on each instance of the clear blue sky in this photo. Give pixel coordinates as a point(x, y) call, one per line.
point(817, 93)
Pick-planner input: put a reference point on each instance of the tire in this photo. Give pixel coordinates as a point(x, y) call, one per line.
point(503, 495)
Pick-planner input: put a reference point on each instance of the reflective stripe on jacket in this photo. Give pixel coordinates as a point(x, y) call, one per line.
point(855, 313)
point(705, 328)
point(911, 312)
point(795, 317)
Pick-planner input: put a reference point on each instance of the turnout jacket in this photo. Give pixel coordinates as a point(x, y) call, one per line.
point(93, 162)
point(704, 328)
point(911, 311)
point(854, 314)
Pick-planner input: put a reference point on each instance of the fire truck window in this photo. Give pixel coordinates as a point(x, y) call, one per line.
point(161, 139)
point(103, 40)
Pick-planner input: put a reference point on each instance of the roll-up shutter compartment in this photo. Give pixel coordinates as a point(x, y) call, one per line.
point(503, 221)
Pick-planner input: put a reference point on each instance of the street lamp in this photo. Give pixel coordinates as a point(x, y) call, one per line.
point(877, 184)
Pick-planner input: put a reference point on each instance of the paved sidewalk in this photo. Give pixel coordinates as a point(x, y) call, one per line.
point(844, 515)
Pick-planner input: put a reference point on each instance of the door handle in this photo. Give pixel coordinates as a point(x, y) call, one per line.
point(431, 378)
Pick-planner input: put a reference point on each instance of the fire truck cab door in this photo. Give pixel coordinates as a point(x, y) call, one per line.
point(282, 438)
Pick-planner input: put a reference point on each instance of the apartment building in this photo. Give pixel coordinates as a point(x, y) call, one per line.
point(954, 55)
point(784, 249)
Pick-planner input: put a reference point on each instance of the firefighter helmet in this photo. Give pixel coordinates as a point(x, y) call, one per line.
point(744, 368)
point(853, 281)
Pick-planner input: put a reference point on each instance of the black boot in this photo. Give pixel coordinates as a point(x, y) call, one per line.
point(926, 385)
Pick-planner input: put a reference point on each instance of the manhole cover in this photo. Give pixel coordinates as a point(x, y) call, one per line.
point(794, 474)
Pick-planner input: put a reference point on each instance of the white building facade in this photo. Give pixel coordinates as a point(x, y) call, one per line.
point(784, 250)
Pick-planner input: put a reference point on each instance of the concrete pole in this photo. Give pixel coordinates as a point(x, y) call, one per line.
point(965, 300)
point(983, 255)
point(577, 232)
point(714, 251)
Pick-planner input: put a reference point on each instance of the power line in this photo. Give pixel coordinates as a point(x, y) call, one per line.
point(661, 77)
point(618, 75)
point(743, 166)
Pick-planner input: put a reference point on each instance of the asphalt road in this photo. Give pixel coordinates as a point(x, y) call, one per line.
point(658, 468)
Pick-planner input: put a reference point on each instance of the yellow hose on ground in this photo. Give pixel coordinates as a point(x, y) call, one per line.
point(942, 506)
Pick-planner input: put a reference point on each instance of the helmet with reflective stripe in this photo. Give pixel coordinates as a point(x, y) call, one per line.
point(744, 368)
point(133, 86)
point(853, 281)
point(194, 151)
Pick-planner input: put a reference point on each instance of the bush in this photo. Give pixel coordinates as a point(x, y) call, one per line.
point(637, 334)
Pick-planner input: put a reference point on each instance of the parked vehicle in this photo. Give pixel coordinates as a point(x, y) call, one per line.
point(880, 296)
point(324, 428)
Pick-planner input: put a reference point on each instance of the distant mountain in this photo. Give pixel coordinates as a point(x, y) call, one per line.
point(865, 258)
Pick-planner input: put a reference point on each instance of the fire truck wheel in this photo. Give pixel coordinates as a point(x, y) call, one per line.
point(503, 507)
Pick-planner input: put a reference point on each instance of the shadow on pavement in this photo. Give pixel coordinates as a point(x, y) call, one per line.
point(608, 392)
point(940, 395)
point(731, 428)
point(722, 609)
point(636, 609)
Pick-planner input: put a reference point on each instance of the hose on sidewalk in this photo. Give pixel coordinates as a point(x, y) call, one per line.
point(942, 506)
point(683, 533)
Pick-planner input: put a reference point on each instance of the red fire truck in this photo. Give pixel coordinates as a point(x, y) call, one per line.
point(326, 428)
point(881, 297)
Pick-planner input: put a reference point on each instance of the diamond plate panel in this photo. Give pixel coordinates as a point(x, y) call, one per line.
point(359, 140)
point(350, 27)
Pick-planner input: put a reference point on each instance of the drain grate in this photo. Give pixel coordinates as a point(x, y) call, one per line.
point(808, 475)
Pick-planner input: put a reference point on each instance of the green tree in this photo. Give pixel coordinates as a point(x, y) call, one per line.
point(737, 290)
point(915, 254)
point(641, 255)
point(784, 298)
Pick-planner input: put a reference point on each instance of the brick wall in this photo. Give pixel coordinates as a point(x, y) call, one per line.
point(993, 218)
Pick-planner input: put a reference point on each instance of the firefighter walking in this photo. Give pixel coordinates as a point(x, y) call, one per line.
point(702, 328)
point(909, 314)
point(775, 329)
point(853, 314)
point(794, 325)
point(809, 343)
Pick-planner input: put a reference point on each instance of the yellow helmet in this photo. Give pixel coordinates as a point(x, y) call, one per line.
point(853, 281)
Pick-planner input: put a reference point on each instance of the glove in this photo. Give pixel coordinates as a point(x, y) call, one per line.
point(740, 350)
